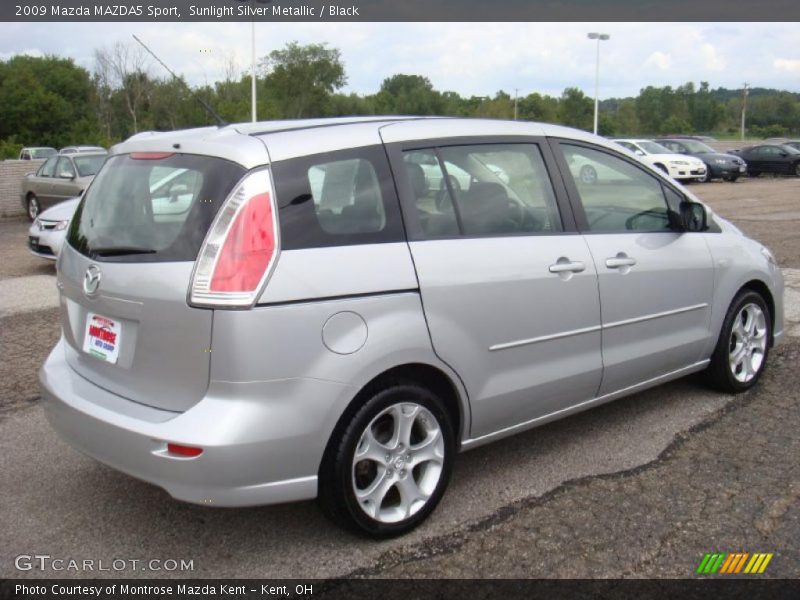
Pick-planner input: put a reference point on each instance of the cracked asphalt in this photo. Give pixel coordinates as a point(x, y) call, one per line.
point(642, 487)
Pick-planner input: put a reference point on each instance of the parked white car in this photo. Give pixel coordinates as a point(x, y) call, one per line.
point(677, 166)
point(46, 233)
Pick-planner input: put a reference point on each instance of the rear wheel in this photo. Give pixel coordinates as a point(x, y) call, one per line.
point(743, 345)
point(588, 174)
point(385, 471)
point(34, 208)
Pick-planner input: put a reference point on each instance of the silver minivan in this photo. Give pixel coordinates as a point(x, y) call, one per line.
point(271, 312)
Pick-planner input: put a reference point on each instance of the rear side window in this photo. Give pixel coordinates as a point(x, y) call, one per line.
point(482, 190)
point(337, 199)
point(151, 210)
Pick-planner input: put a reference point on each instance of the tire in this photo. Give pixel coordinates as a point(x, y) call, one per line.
point(662, 167)
point(588, 174)
point(705, 178)
point(383, 498)
point(796, 170)
point(33, 206)
point(730, 178)
point(745, 333)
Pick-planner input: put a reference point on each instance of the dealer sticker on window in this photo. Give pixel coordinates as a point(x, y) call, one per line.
point(102, 338)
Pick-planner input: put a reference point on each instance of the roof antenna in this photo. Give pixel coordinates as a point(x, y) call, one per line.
point(220, 121)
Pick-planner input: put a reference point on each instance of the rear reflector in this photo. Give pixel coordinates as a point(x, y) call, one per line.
point(186, 451)
point(240, 248)
point(150, 155)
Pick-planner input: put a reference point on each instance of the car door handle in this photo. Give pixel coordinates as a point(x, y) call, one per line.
point(566, 266)
point(618, 262)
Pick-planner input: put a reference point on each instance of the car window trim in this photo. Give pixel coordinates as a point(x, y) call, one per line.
point(574, 194)
point(396, 150)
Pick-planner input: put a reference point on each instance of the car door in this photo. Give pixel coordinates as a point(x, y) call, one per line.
point(508, 287)
point(41, 184)
point(655, 282)
point(64, 186)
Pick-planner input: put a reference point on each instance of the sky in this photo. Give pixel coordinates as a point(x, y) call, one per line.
point(469, 58)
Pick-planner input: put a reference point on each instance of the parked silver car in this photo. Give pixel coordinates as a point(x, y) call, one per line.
point(296, 316)
point(47, 232)
point(58, 179)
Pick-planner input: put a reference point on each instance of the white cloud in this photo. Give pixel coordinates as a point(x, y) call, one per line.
point(792, 65)
point(713, 60)
point(660, 60)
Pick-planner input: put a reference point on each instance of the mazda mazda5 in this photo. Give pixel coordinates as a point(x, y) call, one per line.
point(279, 311)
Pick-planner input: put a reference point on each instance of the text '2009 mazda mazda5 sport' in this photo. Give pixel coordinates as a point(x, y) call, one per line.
point(279, 311)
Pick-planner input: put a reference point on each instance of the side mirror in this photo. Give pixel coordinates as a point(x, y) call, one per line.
point(693, 216)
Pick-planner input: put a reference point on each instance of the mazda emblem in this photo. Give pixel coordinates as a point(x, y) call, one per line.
point(91, 280)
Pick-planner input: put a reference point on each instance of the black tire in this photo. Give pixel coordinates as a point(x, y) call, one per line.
point(719, 374)
point(337, 497)
point(706, 177)
point(588, 174)
point(33, 206)
point(730, 178)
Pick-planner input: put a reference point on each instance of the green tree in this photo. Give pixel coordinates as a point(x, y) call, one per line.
point(408, 95)
point(300, 79)
point(576, 109)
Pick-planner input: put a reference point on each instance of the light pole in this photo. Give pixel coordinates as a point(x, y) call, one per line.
point(253, 56)
point(600, 37)
point(745, 92)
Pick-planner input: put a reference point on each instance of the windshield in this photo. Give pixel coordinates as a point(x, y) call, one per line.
point(88, 165)
point(696, 147)
point(152, 210)
point(42, 152)
point(790, 149)
point(653, 148)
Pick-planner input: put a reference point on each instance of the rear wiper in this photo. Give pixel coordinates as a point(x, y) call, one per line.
point(120, 250)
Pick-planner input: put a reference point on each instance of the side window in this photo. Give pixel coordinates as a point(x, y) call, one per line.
point(337, 199)
point(65, 168)
point(618, 196)
point(498, 189)
point(48, 168)
point(437, 216)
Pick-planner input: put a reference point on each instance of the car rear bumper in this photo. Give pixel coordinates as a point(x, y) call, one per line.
point(252, 453)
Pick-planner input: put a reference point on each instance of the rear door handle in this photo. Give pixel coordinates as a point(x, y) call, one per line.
point(620, 261)
point(566, 266)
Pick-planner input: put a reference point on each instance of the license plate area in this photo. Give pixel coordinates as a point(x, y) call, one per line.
point(102, 338)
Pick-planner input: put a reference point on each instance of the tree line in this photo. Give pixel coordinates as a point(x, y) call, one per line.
point(54, 102)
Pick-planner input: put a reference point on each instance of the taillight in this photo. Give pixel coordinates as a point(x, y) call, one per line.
point(240, 247)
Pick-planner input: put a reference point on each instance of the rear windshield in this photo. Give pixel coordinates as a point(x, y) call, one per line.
point(89, 165)
point(151, 210)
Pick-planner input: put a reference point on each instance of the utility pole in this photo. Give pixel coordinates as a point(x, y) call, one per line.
point(253, 73)
point(600, 37)
point(745, 93)
point(516, 97)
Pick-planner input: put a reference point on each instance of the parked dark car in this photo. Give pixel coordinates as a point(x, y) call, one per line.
point(719, 165)
point(770, 158)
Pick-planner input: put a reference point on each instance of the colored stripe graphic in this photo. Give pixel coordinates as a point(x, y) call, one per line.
point(734, 563)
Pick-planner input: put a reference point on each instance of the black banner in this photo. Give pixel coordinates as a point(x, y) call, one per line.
point(398, 589)
point(399, 10)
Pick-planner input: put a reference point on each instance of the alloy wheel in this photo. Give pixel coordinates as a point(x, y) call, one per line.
point(398, 462)
point(748, 343)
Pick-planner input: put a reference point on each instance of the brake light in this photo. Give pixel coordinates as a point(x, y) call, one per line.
point(150, 155)
point(240, 247)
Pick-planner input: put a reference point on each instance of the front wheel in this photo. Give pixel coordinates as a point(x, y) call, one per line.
point(741, 353)
point(385, 471)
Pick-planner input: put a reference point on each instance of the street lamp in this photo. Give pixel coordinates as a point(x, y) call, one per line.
point(599, 37)
point(253, 56)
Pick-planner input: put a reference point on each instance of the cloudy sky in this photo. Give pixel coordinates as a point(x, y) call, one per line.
point(470, 58)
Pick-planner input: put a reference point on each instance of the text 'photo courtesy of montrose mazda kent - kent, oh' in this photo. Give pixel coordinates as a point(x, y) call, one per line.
point(334, 308)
